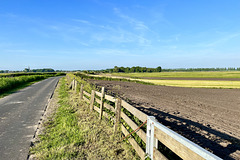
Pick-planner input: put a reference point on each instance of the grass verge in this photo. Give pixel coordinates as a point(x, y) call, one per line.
point(72, 132)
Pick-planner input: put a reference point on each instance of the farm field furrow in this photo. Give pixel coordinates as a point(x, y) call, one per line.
point(208, 117)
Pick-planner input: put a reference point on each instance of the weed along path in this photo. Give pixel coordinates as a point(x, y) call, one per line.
point(20, 113)
point(208, 117)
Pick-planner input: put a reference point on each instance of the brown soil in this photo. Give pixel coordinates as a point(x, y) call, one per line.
point(208, 117)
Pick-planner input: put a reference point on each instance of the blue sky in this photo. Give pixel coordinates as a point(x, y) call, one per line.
point(100, 34)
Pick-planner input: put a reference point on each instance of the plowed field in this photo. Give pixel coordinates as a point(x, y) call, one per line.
point(208, 117)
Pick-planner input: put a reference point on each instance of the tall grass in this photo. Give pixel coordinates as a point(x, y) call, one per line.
point(8, 83)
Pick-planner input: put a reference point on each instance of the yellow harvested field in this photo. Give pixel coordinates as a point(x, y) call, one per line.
point(195, 83)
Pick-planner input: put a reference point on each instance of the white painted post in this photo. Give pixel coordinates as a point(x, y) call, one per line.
point(150, 136)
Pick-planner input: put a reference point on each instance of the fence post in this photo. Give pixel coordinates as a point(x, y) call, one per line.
point(101, 105)
point(117, 113)
point(92, 100)
point(75, 86)
point(81, 92)
point(70, 85)
point(150, 136)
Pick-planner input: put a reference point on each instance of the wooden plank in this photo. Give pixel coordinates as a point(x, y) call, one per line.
point(137, 113)
point(105, 114)
point(98, 94)
point(117, 115)
point(86, 99)
point(97, 100)
point(110, 98)
point(86, 93)
point(96, 109)
point(108, 106)
point(137, 148)
point(140, 132)
point(178, 148)
point(72, 84)
point(81, 92)
point(75, 86)
point(158, 155)
point(101, 104)
point(92, 100)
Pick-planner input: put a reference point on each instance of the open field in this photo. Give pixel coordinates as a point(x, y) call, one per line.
point(195, 83)
point(220, 75)
point(228, 80)
point(208, 117)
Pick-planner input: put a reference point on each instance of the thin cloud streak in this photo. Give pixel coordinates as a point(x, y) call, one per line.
point(138, 25)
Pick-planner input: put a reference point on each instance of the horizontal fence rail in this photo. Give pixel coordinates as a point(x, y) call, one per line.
point(177, 143)
point(155, 131)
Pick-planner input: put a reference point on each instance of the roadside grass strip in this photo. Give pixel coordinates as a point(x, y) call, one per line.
point(10, 83)
point(196, 83)
point(73, 132)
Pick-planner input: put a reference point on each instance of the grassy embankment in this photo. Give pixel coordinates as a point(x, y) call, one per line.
point(73, 132)
point(10, 83)
point(188, 83)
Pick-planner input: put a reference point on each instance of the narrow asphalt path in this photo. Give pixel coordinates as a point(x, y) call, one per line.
point(19, 116)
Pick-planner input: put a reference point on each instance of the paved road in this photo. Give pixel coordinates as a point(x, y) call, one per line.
point(19, 116)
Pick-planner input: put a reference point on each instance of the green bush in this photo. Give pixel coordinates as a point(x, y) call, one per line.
point(9, 83)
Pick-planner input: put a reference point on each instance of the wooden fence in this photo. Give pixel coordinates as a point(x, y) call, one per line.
point(158, 134)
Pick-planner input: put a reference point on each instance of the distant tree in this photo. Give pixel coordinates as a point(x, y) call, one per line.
point(159, 69)
point(27, 70)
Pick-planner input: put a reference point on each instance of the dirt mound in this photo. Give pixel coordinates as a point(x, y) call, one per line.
point(208, 117)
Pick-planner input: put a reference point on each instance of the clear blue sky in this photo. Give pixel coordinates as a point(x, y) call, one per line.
point(100, 34)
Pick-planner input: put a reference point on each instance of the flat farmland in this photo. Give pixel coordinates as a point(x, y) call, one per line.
point(222, 79)
point(209, 117)
point(213, 74)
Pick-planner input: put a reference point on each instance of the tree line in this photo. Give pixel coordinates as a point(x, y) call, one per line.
point(39, 70)
point(133, 69)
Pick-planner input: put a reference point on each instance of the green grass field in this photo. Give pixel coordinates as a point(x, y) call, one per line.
point(232, 74)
